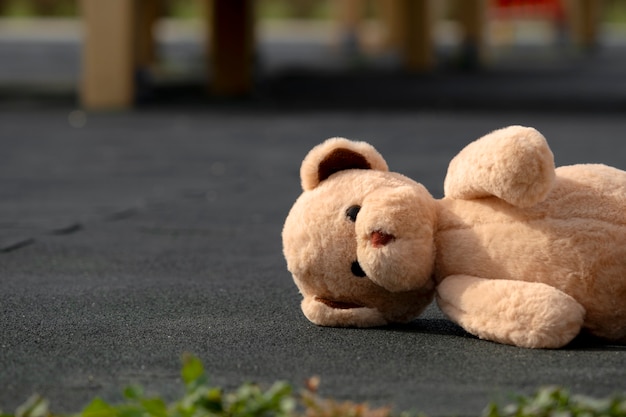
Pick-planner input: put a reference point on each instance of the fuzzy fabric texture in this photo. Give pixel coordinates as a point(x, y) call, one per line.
point(517, 252)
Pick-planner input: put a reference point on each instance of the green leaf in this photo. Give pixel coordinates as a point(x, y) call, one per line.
point(132, 410)
point(155, 407)
point(212, 400)
point(491, 410)
point(192, 371)
point(98, 408)
point(558, 402)
point(133, 392)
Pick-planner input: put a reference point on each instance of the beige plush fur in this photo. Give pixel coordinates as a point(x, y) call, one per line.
point(517, 251)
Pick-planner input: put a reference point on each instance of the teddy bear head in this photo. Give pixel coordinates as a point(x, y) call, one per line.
point(359, 241)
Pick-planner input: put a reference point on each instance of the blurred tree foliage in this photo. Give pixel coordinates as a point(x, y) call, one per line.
point(614, 10)
point(300, 9)
point(23, 8)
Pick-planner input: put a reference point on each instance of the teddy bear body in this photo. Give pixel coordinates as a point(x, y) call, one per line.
point(574, 241)
point(517, 251)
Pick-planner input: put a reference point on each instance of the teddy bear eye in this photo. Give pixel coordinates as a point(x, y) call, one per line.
point(356, 270)
point(352, 212)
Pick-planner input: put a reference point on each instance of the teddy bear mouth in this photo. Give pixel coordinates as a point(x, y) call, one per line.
point(340, 305)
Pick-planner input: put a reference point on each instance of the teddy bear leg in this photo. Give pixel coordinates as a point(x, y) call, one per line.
point(514, 163)
point(519, 313)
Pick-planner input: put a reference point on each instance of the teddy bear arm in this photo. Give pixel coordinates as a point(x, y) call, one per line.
point(514, 163)
point(519, 313)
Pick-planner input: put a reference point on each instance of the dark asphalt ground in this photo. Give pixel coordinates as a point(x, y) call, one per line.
point(128, 238)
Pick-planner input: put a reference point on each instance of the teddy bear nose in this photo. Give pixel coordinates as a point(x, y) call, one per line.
point(380, 239)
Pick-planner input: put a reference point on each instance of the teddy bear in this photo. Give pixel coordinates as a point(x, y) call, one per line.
point(517, 251)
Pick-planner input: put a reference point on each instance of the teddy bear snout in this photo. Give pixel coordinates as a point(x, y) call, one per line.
point(379, 238)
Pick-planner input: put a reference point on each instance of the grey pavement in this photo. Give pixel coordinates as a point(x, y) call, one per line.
point(129, 238)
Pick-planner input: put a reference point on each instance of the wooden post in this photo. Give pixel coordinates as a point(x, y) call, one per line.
point(231, 47)
point(108, 54)
point(418, 41)
point(472, 15)
point(148, 14)
point(349, 15)
point(390, 15)
point(408, 25)
point(584, 20)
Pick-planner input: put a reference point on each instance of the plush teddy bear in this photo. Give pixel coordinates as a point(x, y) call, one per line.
point(517, 251)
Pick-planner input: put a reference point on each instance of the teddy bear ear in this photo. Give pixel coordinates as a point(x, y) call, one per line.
point(338, 154)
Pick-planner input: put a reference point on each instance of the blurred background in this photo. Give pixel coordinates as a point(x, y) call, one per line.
point(127, 53)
